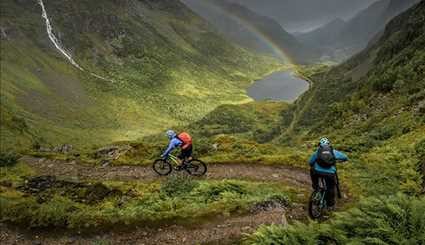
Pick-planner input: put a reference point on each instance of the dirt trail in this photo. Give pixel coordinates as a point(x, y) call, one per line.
point(71, 169)
point(220, 230)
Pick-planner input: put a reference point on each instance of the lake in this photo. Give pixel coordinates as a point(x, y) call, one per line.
point(284, 86)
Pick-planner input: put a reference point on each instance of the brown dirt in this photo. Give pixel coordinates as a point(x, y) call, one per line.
point(219, 230)
point(74, 170)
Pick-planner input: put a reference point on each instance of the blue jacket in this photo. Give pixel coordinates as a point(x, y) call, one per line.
point(313, 162)
point(174, 143)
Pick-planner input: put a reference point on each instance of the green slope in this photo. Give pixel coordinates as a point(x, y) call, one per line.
point(167, 68)
point(373, 108)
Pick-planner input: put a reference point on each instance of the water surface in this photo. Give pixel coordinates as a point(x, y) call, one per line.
point(283, 86)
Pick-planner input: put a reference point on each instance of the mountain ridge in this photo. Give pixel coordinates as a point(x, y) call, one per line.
point(357, 31)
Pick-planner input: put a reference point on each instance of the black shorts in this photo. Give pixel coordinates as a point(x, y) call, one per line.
point(185, 153)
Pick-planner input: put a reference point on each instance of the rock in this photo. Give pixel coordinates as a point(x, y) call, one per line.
point(284, 220)
point(272, 203)
point(246, 228)
point(66, 148)
point(44, 149)
point(6, 183)
point(275, 175)
point(3, 33)
point(112, 152)
point(105, 163)
point(43, 187)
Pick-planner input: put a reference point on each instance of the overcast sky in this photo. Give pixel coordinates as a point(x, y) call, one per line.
point(302, 15)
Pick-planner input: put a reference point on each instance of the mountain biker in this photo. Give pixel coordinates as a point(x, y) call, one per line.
point(323, 164)
point(184, 141)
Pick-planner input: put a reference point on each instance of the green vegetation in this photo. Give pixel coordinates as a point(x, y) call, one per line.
point(394, 220)
point(107, 204)
point(167, 67)
point(229, 134)
point(8, 159)
point(370, 107)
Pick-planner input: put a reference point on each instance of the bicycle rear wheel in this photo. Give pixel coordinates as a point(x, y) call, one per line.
point(162, 167)
point(196, 167)
point(315, 206)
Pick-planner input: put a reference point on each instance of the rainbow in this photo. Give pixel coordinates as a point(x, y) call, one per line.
point(277, 49)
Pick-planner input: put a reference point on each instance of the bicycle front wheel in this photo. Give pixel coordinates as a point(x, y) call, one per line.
point(315, 209)
point(162, 167)
point(196, 167)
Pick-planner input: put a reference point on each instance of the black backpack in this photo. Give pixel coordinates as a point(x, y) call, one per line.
point(326, 157)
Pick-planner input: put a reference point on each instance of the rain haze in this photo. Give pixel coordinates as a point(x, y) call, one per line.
point(302, 15)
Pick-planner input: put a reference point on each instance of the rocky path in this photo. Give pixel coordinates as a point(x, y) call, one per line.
point(220, 230)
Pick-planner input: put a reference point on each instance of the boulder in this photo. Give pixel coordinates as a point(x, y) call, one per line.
point(112, 152)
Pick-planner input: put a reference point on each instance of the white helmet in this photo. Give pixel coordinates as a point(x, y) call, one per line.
point(324, 141)
point(171, 134)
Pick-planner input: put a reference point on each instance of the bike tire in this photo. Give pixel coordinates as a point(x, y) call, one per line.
point(314, 209)
point(196, 167)
point(162, 167)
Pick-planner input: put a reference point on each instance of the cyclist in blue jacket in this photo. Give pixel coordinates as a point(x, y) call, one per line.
point(183, 141)
point(323, 164)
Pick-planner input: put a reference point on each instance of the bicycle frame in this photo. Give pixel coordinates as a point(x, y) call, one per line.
point(173, 159)
point(322, 192)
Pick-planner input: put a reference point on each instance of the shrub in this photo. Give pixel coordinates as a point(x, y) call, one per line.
point(397, 219)
point(178, 184)
point(214, 192)
point(420, 149)
point(8, 159)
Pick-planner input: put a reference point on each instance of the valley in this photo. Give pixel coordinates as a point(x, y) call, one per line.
point(85, 103)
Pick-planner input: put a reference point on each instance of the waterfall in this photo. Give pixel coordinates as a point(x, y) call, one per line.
point(53, 38)
point(56, 42)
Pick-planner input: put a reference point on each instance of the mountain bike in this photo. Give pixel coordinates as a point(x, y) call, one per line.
point(318, 203)
point(193, 167)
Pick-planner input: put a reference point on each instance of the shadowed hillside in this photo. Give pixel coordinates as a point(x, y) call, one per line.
point(158, 59)
point(253, 31)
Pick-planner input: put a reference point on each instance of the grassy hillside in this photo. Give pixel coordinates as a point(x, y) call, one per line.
point(163, 64)
point(373, 108)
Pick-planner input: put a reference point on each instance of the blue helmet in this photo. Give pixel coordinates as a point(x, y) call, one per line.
point(324, 141)
point(171, 134)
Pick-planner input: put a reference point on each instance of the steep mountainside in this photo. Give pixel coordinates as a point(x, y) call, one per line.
point(358, 31)
point(140, 66)
point(382, 84)
point(373, 108)
point(252, 30)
